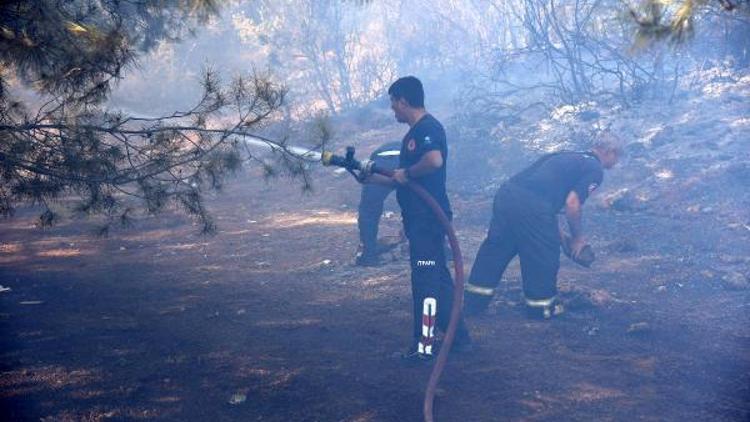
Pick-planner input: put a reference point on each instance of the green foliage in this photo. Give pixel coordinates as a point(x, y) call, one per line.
point(63, 145)
point(674, 20)
point(77, 48)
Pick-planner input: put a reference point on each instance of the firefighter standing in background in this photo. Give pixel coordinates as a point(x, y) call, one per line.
point(524, 223)
point(371, 206)
point(423, 157)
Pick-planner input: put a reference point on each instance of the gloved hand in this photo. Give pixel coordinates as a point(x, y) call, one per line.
point(361, 177)
point(400, 176)
point(585, 258)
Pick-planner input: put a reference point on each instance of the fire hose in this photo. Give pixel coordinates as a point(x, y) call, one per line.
point(362, 169)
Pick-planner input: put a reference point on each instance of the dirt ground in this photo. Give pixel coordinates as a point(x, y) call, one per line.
point(269, 320)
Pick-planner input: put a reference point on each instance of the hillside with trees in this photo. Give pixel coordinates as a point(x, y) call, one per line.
point(172, 249)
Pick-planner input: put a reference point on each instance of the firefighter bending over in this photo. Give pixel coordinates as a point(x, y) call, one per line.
point(524, 223)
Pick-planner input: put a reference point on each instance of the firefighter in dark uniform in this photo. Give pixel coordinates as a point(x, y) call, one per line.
point(424, 152)
point(524, 223)
point(371, 206)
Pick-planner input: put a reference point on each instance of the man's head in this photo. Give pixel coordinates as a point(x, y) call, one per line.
point(608, 151)
point(407, 96)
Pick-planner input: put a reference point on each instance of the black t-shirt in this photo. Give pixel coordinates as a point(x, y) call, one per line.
point(426, 135)
point(554, 176)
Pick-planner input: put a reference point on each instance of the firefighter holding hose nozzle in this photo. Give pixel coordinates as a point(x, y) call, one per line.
point(422, 160)
point(524, 223)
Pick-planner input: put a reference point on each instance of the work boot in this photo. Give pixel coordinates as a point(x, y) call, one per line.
point(367, 259)
point(544, 309)
point(476, 304)
point(461, 346)
point(412, 356)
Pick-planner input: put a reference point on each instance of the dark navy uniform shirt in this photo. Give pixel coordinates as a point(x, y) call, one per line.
point(554, 176)
point(425, 136)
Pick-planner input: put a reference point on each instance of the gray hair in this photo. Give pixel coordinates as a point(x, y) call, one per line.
point(608, 142)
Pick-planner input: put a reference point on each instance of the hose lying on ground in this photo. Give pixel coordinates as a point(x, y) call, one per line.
point(368, 167)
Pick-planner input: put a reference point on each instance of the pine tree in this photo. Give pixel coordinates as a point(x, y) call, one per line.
point(61, 142)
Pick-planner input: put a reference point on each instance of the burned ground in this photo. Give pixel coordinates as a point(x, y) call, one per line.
point(269, 320)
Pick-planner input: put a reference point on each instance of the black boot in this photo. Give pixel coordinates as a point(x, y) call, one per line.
point(544, 309)
point(367, 259)
point(475, 304)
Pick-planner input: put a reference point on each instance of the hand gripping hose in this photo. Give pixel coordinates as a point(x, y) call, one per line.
point(366, 168)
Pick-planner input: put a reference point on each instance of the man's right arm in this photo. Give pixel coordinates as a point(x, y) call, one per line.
point(379, 179)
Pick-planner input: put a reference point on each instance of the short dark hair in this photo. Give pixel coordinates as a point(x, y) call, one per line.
point(410, 89)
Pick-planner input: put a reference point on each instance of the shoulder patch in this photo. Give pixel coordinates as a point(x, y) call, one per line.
point(411, 145)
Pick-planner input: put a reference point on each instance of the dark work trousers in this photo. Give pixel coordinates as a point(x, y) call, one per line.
point(524, 225)
point(371, 205)
point(369, 213)
point(429, 274)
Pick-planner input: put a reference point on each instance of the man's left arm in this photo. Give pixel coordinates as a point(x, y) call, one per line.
point(429, 163)
point(573, 213)
point(431, 160)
